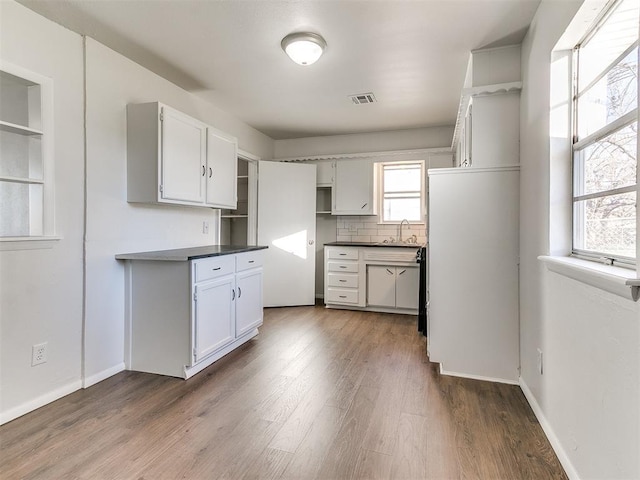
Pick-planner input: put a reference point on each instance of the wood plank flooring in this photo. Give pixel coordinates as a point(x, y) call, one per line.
point(326, 394)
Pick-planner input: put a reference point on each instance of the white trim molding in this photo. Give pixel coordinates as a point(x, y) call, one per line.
point(617, 280)
point(38, 402)
point(548, 431)
point(345, 156)
point(477, 377)
point(103, 375)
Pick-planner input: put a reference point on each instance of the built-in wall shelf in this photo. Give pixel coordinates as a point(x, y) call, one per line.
point(19, 129)
point(323, 200)
point(21, 180)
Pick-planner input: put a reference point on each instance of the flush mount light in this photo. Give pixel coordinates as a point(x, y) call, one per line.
point(303, 48)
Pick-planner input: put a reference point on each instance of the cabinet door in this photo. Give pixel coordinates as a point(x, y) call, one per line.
point(214, 316)
point(352, 191)
point(248, 301)
point(381, 286)
point(222, 168)
point(324, 173)
point(183, 157)
point(407, 284)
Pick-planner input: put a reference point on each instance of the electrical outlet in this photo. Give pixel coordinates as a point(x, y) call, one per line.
point(205, 227)
point(540, 366)
point(39, 354)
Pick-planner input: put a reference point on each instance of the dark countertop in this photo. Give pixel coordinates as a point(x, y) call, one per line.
point(186, 254)
point(374, 244)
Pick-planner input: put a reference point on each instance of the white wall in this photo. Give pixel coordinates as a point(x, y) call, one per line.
point(588, 396)
point(115, 226)
point(41, 290)
point(365, 142)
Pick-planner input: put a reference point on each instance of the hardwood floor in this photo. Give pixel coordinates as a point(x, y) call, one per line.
point(325, 394)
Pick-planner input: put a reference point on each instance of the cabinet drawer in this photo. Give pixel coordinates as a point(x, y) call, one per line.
point(247, 260)
point(213, 267)
point(350, 267)
point(336, 295)
point(342, 280)
point(343, 253)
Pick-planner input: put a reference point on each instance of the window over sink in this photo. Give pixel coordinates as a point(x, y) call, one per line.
point(401, 192)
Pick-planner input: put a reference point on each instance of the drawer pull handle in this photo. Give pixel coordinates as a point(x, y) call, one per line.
point(239, 292)
point(389, 272)
point(217, 268)
point(401, 272)
point(342, 296)
point(233, 294)
point(251, 261)
point(343, 281)
point(204, 171)
point(364, 205)
point(343, 254)
point(343, 266)
point(210, 172)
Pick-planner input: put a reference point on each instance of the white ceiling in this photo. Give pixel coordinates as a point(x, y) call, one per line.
point(411, 54)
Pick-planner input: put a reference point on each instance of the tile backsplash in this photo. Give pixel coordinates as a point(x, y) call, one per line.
point(367, 229)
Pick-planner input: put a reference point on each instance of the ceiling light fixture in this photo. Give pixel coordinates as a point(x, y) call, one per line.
point(304, 48)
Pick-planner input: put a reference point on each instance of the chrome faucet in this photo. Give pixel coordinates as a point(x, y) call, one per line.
point(400, 234)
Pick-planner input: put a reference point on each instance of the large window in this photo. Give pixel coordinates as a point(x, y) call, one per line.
point(402, 192)
point(605, 137)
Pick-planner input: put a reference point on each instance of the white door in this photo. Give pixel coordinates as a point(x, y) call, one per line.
point(215, 314)
point(184, 141)
point(287, 225)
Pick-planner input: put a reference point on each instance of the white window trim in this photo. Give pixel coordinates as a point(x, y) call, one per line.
point(624, 282)
point(380, 192)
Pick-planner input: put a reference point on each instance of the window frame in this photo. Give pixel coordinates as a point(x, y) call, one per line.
point(579, 145)
point(381, 192)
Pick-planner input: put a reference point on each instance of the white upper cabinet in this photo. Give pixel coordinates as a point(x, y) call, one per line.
point(324, 173)
point(176, 159)
point(183, 157)
point(352, 192)
point(222, 165)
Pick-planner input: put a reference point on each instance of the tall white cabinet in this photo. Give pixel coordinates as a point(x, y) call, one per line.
point(473, 316)
point(473, 271)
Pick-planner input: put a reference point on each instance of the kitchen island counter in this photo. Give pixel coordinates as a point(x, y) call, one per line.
point(186, 254)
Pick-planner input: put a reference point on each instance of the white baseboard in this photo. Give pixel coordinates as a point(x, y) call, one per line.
point(38, 402)
point(98, 377)
point(477, 377)
point(551, 436)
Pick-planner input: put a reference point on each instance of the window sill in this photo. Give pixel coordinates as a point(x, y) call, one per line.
point(28, 243)
point(617, 280)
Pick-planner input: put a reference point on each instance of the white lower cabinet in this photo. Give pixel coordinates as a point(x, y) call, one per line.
point(393, 287)
point(214, 313)
point(381, 286)
point(384, 279)
point(248, 301)
point(184, 315)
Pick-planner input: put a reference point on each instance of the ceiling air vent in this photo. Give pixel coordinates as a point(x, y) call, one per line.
point(362, 98)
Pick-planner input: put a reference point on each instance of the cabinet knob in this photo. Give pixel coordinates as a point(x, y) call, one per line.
point(311, 242)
